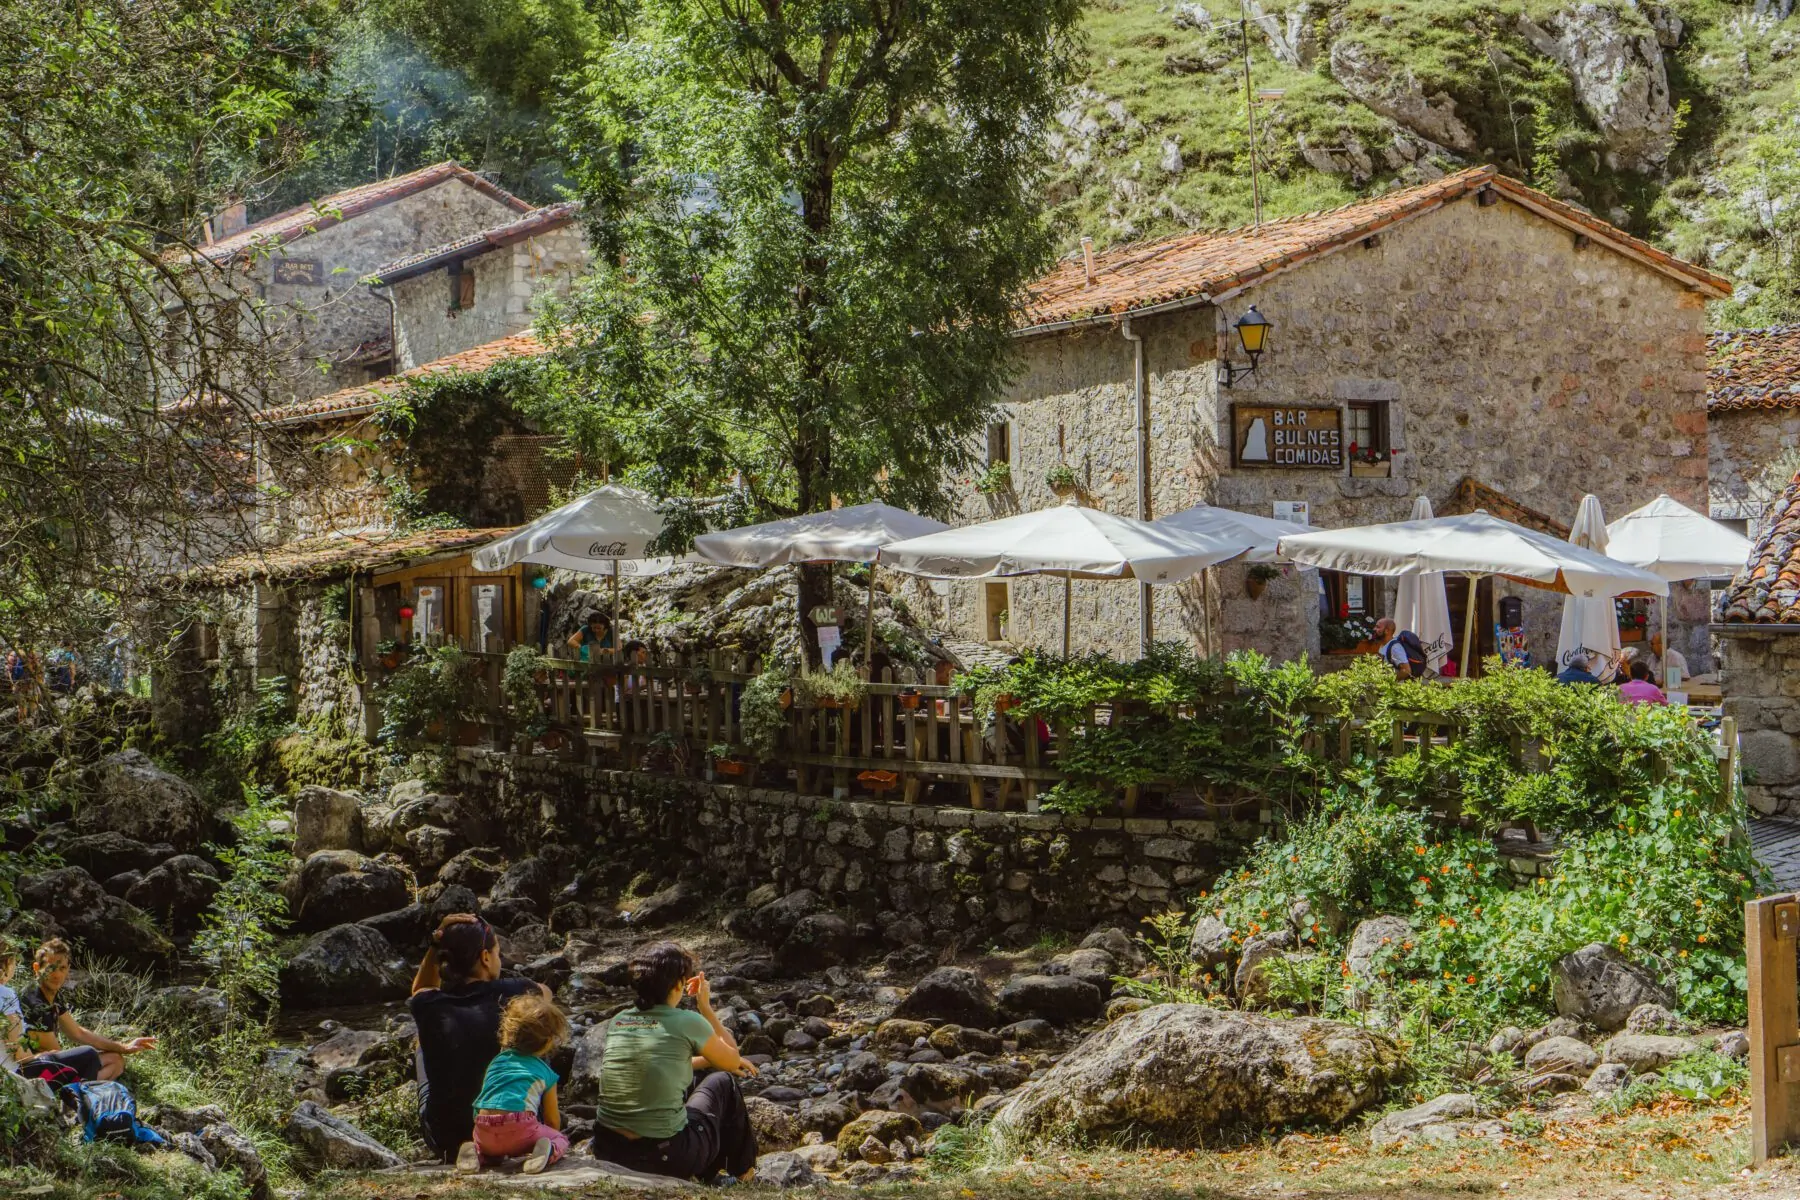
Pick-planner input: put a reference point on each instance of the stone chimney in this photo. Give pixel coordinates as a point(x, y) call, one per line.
point(232, 219)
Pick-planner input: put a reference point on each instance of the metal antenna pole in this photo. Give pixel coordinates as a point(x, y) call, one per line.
point(1250, 117)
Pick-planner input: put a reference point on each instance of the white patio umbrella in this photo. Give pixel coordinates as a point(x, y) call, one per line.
point(1668, 538)
point(1590, 624)
point(1472, 544)
point(606, 532)
point(854, 534)
point(1423, 605)
point(1258, 533)
point(1066, 540)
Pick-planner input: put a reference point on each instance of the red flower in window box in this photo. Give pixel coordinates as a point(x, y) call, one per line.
point(1344, 610)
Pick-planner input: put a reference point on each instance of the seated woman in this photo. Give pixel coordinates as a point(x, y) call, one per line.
point(647, 1118)
point(457, 997)
point(594, 639)
point(49, 1023)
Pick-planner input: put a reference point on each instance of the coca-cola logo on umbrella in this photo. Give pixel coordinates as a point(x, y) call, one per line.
point(607, 550)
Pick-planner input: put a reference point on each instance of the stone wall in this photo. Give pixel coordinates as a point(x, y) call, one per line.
point(1748, 451)
point(957, 869)
point(1503, 352)
point(506, 280)
point(1759, 671)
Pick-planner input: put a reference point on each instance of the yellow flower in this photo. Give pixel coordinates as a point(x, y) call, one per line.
point(1681, 954)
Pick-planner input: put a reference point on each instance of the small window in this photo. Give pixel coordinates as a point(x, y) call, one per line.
point(996, 604)
point(1347, 611)
point(1366, 428)
point(999, 443)
point(1735, 524)
point(428, 612)
point(462, 289)
point(487, 618)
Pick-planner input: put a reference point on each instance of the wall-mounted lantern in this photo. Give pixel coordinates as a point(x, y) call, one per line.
point(1252, 330)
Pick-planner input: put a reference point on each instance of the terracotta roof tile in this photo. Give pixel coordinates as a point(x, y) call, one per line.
point(356, 401)
point(1196, 266)
point(284, 227)
point(339, 554)
point(1767, 590)
point(1754, 368)
point(543, 220)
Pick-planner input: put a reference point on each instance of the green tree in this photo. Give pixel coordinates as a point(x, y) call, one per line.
point(813, 248)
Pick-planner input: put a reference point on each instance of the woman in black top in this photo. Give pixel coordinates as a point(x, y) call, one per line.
point(456, 1000)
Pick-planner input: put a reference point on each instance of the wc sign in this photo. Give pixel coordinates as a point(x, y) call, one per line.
point(1287, 436)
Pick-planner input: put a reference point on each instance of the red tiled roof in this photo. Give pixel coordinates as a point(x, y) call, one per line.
point(356, 401)
point(543, 220)
point(340, 554)
point(320, 214)
point(1767, 590)
point(1197, 266)
point(1753, 368)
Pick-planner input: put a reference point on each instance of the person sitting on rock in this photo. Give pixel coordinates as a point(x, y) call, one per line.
point(516, 1113)
point(12, 1018)
point(646, 1119)
point(456, 1000)
point(48, 1022)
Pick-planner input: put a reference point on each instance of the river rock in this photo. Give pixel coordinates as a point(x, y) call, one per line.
point(1251, 980)
point(1562, 1056)
point(1210, 945)
point(953, 1040)
point(106, 925)
point(784, 1169)
point(347, 964)
point(532, 879)
point(130, 795)
point(408, 809)
point(334, 1143)
point(475, 869)
point(1030, 1035)
point(335, 887)
point(1654, 1018)
point(776, 1127)
point(1059, 999)
point(1117, 944)
point(1184, 1071)
point(1600, 986)
point(1608, 1079)
point(1409, 1124)
point(1644, 1052)
point(818, 940)
point(943, 1087)
point(881, 1125)
point(110, 853)
point(1733, 1043)
point(1090, 964)
point(773, 921)
point(325, 819)
point(863, 1072)
point(431, 846)
point(177, 892)
point(953, 994)
point(673, 903)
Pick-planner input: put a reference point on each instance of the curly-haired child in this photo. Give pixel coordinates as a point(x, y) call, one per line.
point(516, 1113)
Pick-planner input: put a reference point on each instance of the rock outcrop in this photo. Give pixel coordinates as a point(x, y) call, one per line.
point(130, 795)
point(332, 1142)
point(1614, 58)
point(349, 964)
point(1600, 986)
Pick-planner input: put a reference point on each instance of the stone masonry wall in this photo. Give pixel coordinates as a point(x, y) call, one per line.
point(1759, 671)
point(957, 869)
point(1746, 450)
point(506, 280)
point(1503, 351)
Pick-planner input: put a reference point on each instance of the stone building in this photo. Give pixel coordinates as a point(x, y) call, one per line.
point(305, 267)
point(1753, 421)
point(1470, 338)
point(1759, 657)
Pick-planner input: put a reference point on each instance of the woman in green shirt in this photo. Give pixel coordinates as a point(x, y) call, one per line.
point(647, 1119)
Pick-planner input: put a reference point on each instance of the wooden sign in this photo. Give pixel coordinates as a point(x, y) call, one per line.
point(1287, 436)
point(308, 272)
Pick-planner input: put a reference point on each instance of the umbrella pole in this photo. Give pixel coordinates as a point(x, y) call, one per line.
point(618, 634)
point(1662, 612)
point(1468, 624)
point(869, 629)
point(1068, 603)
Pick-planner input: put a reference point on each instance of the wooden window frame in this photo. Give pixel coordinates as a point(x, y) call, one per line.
point(1379, 426)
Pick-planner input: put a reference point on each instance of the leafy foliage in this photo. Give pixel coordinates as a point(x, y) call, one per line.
point(435, 688)
point(237, 942)
point(760, 715)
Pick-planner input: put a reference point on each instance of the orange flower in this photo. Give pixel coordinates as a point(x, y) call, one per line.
point(1345, 970)
point(1446, 922)
point(1445, 869)
point(1471, 979)
point(1418, 849)
point(1406, 945)
point(1425, 879)
point(1293, 858)
point(1315, 927)
point(1701, 939)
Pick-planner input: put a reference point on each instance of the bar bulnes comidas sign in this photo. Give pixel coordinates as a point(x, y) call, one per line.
point(1274, 435)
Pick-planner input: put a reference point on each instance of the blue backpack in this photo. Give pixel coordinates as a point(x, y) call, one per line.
point(107, 1110)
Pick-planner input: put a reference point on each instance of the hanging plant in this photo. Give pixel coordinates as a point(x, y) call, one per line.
point(1062, 479)
point(996, 479)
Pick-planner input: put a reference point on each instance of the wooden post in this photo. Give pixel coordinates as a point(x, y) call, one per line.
point(1771, 925)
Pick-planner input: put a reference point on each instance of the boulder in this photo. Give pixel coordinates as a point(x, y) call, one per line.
point(1090, 964)
point(672, 904)
point(128, 794)
point(1645, 1052)
point(110, 853)
point(336, 887)
point(1059, 999)
point(1562, 1056)
point(1409, 1124)
point(776, 1127)
point(232, 1151)
point(1733, 1043)
point(408, 808)
point(817, 940)
point(1392, 90)
point(775, 920)
point(1654, 1018)
point(1375, 941)
point(183, 1006)
point(1117, 944)
point(431, 846)
point(944, 1087)
point(784, 1169)
point(1619, 75)
point(584, 1074)
point(120, 885)
point(347, 964)
point(177, 892)
point(1509, 1039)
point(953, 994)
point(475, 869)
point(879, 1124)
point(107, 926)
point(532, 879)
point(1210, 944)
point(1608, 1079)
point(325, 819)
point(1182, 1072)
point(1251, 980)
point(1600, 986)
point(334, 1143)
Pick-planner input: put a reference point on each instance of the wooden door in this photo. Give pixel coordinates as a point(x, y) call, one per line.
point(1456, 589)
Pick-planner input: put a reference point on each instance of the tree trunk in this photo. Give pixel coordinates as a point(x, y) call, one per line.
point(812, 417)
point(815, 590)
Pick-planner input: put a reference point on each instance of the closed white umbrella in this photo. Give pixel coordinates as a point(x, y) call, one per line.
point(1668, 538)
point(1259, 534)
point(1423, 605)
point(1066, 540)
point(1472, 544)
point(1590, 625)
point(606, 532)
point(855, 534)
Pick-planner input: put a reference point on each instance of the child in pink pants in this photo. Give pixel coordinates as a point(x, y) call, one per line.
point(516, 1113)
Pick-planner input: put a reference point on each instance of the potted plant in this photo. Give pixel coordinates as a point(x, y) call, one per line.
point(996, 479)
point(1370, 463)
point(390, 653)
point(438, 693)
point(762, 713)
point(725, 761)
point(840, 687)
point(1062, 479)
point(879, 781)
point(909, 698)
point(1256, 579)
